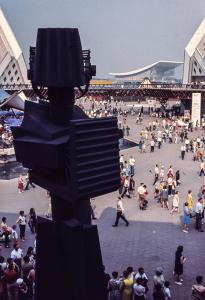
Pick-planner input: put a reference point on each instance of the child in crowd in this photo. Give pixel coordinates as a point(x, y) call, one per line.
point(14, 234)
point(167, 294)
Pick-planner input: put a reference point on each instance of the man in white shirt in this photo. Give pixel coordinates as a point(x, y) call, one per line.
point(120, 213)
point(17, 254)
point(132, 165)
point(141, 274)
point(159, 140)
point(183, 149)
point(187, 142)
point(199, 211)
point(152, 146)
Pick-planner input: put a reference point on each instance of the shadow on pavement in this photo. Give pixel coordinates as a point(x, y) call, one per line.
point(151, 244)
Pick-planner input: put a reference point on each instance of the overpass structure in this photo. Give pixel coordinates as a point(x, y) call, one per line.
point(157, 90)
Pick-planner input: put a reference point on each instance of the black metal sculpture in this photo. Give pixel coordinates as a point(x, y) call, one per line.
point(73, 157)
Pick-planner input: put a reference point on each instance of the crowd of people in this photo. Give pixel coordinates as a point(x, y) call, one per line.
point(17, 271)
point(6, 137)
point(135, 285)
point(166, 190)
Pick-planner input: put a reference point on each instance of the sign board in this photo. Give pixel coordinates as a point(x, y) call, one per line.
point(196, 108)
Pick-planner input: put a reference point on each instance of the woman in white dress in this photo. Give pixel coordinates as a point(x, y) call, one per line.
point(175, 204)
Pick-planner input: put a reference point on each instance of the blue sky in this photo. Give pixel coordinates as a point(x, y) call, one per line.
point(122, 34)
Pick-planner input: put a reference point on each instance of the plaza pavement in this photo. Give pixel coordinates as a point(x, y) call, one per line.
point(153, 235)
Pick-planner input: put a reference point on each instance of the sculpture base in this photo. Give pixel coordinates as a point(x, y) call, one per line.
point(69, 262)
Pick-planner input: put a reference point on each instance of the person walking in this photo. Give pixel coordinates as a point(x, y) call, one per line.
point(186, 219)
point(152, 145)
point(20, 184)
point(164, 197)
point(170, 183)
point(161, 173)
point(202, 168)
point(179, 265)
point(22, 225)
point(183, 149)
point(156, 174)
point(187, 143)
point(125, 189)
point(159, 140)
point(170, 172)
point(120, 213)
point(28, 182)
point(141, 192)
point(132, 165)
point(132, 185)
point(190, 201)
point(32, 222)
point(175, 204)
point(177, 178)
point(199, 211)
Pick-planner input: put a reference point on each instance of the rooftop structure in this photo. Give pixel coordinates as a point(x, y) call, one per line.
point(194, 57)
point(12, 65)
point(158, 71)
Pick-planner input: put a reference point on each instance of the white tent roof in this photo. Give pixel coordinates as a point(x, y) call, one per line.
point(163, 65)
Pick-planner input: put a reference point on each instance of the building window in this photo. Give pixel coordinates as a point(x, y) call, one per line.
point(18, 78)
point(4, 79)
point(9, 72)
point(16, 72)
point(12, 79)
point(195, 71)
point(199, 70)
point(195, 63)
point(13, 66)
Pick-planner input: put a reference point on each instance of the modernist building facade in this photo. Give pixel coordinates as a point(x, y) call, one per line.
point(194, 57)
point(13, 69)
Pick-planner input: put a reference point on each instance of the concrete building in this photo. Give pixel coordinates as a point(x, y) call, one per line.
point(13, 69)
point(194, 57)
point(161, 71)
